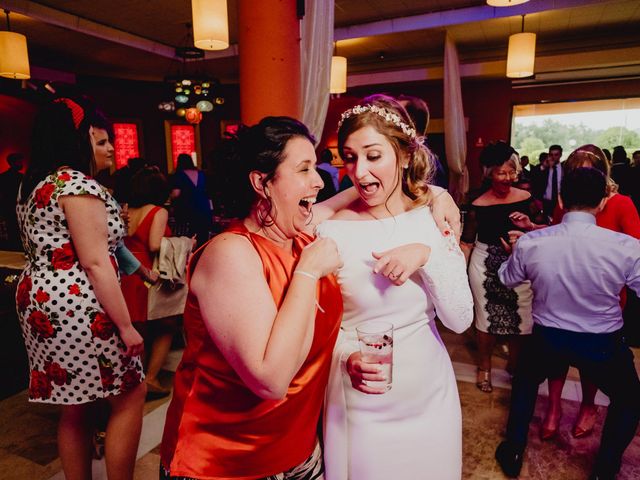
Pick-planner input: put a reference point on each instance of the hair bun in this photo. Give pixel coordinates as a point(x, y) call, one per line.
point(496, 153)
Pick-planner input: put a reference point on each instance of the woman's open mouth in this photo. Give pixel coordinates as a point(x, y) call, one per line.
point(306, 204)
point(369, 188)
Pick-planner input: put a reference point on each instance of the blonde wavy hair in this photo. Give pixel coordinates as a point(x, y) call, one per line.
point(590, 155)
point(414, 180)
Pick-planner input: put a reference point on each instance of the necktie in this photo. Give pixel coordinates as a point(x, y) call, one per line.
point(554, 186)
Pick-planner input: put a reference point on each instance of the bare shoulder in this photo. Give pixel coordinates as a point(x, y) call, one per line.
point(520, 195)
point(350, 212)
point(228, 256)
point(482, 200)
point(162, 214)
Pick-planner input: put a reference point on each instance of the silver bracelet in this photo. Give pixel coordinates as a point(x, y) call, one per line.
point(306, 274)
point(310, 275)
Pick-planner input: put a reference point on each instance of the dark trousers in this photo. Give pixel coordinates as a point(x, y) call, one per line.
point(607, 361)
point(548, 206)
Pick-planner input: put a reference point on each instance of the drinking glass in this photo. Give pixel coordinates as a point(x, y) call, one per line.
point(376, 346)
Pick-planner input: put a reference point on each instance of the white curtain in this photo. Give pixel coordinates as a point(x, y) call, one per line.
point(316, 48)
point(455, 136)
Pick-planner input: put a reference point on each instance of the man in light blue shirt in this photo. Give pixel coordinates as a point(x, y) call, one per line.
point(577, 271)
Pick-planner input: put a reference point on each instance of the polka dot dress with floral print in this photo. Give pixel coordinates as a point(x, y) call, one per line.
point(75, 352)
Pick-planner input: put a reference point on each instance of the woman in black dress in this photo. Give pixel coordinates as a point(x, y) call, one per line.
point(499, 311)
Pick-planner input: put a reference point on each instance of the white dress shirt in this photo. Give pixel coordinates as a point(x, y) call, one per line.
point(548, 191)
point(577, 271)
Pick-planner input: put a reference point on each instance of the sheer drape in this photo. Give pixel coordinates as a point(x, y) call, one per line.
point(455, 136)
point(315, 52)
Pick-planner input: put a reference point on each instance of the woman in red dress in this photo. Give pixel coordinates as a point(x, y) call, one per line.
point(147, 225)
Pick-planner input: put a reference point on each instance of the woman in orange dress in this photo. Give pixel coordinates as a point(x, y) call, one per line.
point(261, 319)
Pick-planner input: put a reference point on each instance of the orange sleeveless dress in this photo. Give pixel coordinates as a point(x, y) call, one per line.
point(216, 428)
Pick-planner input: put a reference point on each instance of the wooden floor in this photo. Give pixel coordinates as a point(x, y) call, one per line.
point(28, 445)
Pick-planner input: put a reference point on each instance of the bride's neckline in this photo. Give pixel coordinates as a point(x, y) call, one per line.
point(379, 219)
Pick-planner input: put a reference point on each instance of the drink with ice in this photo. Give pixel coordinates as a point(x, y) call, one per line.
point(376, 346)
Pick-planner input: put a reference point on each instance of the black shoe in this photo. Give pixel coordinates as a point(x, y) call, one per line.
point(600, 476)
point(509, 459)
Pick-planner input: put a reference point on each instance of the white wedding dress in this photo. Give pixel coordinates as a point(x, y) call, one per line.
point(413, 431)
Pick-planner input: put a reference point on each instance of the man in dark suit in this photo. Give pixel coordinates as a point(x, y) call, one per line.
point(537, 174)
point(551, 180)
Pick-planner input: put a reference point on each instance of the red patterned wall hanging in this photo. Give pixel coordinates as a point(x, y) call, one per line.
point(126, 143)
point(183, 140)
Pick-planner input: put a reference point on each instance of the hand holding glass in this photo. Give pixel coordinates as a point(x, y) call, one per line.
point(376, 346)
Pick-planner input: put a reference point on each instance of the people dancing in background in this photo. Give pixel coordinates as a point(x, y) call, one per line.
point(147, 226)
point(390, 167)
point(190, 200)
point(81, 344)
point(500, 312)
point(577, 277)
point(618, 214)
point(250, 387)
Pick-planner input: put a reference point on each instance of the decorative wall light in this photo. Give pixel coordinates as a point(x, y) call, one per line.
point(191, 90)
point(210, 25)
point(338, 82)
point(521, 55)
point(505, 3)
point(14, 58)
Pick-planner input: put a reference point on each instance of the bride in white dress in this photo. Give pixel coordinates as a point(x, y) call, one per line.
point(412, 431)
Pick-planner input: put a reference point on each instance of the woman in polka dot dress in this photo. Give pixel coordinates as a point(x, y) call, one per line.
point(80, 341)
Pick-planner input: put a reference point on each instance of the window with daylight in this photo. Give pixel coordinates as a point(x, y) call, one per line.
point(605, 123)
point(127, 143)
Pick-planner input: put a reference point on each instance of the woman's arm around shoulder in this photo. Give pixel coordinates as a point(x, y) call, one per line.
point(264, 345)
point(445, 211)
point(327, 209)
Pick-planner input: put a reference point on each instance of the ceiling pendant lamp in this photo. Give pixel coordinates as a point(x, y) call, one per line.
point(338, 82)
point(210, 25)
point(338, 74)
point(521, 55)
point(505, 3)
point(14, 58)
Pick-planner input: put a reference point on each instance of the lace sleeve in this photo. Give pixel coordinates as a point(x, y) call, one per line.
point(445, 276)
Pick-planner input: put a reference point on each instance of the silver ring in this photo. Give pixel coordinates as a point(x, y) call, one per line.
point(393, 275)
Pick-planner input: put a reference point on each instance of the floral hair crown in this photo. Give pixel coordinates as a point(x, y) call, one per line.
point(386, 114)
